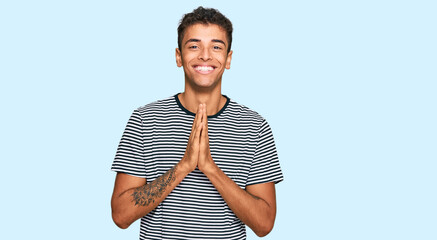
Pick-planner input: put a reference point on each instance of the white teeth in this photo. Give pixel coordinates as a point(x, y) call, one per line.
point(204, 68)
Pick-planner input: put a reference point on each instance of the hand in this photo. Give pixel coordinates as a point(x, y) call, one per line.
point(191, 156)
point(205, 162)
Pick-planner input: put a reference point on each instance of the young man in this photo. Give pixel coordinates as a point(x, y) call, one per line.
point(197, 164)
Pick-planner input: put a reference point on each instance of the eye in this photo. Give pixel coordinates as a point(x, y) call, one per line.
point(217, 48)
point(193, 47)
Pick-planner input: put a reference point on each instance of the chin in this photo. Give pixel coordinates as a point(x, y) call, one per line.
point(205, 83)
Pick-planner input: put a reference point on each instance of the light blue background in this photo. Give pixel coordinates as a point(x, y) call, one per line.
point(348, 87)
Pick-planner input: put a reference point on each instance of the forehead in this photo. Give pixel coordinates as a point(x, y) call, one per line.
point(205, 32)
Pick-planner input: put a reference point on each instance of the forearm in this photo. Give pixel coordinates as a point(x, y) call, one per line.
point(252, 210)
point(135, 203)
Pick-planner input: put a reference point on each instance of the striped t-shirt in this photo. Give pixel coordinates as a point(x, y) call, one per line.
point(155, 139)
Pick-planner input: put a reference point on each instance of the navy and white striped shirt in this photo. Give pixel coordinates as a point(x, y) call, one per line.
point(155, 139)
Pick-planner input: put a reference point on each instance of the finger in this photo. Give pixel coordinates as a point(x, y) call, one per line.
point(200, 117)
point(202, 139)
point(205, 115)
point(196, 123)
point(197, 133)
point(196, 117)
point(204, 136)
point(205, 124)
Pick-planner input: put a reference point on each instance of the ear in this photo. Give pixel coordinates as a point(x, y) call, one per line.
point(178, 58)
point(228, 60)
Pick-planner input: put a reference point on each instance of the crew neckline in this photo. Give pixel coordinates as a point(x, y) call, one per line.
point(193, 114)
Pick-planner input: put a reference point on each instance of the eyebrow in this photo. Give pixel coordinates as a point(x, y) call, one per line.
point(192, 40)
point(198, 40)
point(219, 41)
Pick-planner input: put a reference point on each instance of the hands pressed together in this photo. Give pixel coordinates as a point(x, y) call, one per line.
point(198, 152)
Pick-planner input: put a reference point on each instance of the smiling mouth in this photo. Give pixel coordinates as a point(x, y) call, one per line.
point(204, 69)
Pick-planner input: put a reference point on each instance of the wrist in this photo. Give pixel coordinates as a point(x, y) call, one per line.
point(210, 169)
point(184, 167)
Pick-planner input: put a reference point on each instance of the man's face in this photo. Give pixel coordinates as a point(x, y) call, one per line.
point(203, 55)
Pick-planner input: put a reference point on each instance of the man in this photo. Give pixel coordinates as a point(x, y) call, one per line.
point(197, 164)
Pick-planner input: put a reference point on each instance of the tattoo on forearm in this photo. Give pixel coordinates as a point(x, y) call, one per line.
point(148, 193)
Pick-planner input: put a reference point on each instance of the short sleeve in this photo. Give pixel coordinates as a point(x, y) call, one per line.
point(129, 158)
point(265, 165)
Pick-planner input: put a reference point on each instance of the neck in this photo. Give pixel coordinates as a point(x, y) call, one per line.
point(213, 99)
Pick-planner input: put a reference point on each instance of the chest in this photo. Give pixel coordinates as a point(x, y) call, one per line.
point(232, 146)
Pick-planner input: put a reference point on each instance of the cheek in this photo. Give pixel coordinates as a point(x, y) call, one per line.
point(221, 59)
point(187, 56)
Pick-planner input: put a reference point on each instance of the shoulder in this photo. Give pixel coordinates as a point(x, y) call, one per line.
point(156, 107)
point(244, 113)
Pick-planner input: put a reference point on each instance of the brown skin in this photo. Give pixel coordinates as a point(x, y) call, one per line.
point(211, 50)
point(255, 206)
point(127, 204)
point(133, 198)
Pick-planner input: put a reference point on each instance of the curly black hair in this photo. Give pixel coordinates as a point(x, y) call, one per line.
point(205, 16)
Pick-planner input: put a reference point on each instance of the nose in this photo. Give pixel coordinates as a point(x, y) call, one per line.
point(204, 54)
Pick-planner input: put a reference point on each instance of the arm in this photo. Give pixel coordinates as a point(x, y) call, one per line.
point(255, 206)
point(133, 197)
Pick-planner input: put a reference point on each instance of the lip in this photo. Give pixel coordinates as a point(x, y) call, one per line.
point(203, 68)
